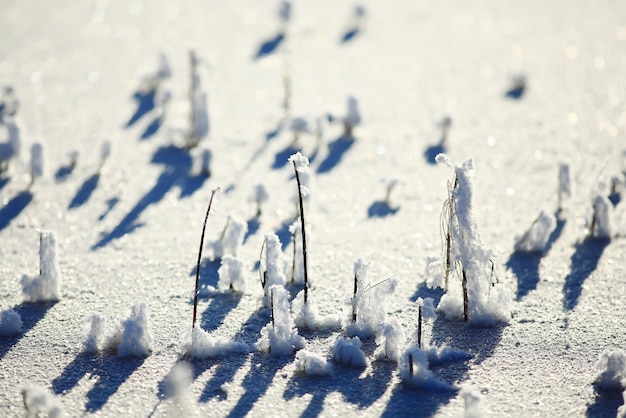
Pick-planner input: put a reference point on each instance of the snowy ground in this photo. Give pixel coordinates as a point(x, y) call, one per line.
point(131, 234)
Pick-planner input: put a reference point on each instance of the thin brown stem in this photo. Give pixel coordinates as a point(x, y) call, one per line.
point(419, 327)
point(465, 297)
point(303, 232)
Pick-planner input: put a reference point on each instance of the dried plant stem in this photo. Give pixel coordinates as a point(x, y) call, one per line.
point(40, 253)
point(356, 287)
point(262, 274)
point(293, 263)
point(303, 232)
point(419, 327)
point(411, 365)
point(465, 297)
point(592, 226)
point(195, 293)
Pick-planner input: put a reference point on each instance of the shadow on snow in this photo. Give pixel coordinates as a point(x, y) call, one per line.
point(336, 150)
point(14, 207)
point(111, 371)
point(270, 45)
point(145, 103)
point(85, 191)
point(177, 164)
point(381, 209)
point(584, 262)
point(31, 314)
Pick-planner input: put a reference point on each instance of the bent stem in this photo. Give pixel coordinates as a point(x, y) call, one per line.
point(195, 294)
point(306, 276)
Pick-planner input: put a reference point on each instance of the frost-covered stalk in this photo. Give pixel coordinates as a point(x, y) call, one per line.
point(391, 338)
point(600, 226)
point(353, 117)
point(38, 402)
point(205, 162)
point(231, 274)
point(425, 310)
point(301, 163)
point(273, 274)
point(446, 219)
point(419, 327)
point(481, 300)
point(360, 271)
point(46, 286)
point(611, 370)
point(136, 334)
point(231, 237)
point(36, 162)
point(280, 337)
point(369, 304)
point(195, 293)
point(565, 184)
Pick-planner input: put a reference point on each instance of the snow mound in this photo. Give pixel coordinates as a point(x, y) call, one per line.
point(611, 367)
point(445, 354)
point(10, 322)
point(46, 286)
point(390, 339)
point(231, 238)
point(415, 373)
point(136, 336)
point(202, 345)
point(472, 399)
point(348, 351)
point(97, 339)
point(307, 315)
point(311, 364)
point(39, 402)
point(231, 274)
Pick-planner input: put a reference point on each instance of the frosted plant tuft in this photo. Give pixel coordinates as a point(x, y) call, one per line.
point(46, 286)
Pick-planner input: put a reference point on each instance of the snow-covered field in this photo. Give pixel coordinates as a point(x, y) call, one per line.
point(528, 85)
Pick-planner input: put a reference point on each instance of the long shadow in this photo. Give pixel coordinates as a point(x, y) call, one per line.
point(605, 404)
point(480, 342)
point(145, 103)
point(253, 227)
point(208, 272)
point(270, 45)
point(152, 128)
point(525, 266)
point(64, 172)
point(359, 391)
point(4, 181)
point(336, 150)
point(349, 35)
point(31, 314)
point(381, 209)
point(177, 164)
point(213, 316)
point(111, 370)
point(423, 291)
point(433, 150)
point(283, 233)
point(85, 191)
point(584, 262)
point(14, 207)
point(282, 157)
point(111, 203)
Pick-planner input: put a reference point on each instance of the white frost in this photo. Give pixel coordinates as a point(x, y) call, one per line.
point(231, 274)
point(414, 372)
point(136, 335)
point(231, 238)
point(348, 351)
point(311, 364)
point(10, 149)
point(611, 370)
point(535, 239)
point(10, 322)
point(36, 161)
point(280, 337)
point(38, 402)
point(390, 339)
point(202, 345)
point(46, 286)
point(307, 315)
point(274, 274)
point(97, 338)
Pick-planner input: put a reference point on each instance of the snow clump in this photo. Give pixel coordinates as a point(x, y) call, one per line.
point(231, 274)
point(348, 351)
point(10, 322)
point(39, 402)
point(273, 274)
point(202, 345)
point(136, 336)
point(97, 339)
point(46, 286)
point(611, 367)
point(414, 372)
point(535, 239)
point(390, 339)
point(311, 364)
point(308, 316)
point(280, 337)
point(231, 238)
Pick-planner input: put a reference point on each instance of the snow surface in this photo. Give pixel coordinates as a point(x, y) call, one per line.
point(131, 232)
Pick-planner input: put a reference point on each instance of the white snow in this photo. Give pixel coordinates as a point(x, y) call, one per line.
point(280, 336)
point(311, 364)
point(273, 264)
point(176, 384)
point(294, 265)
point(202, 345)
point(10, 322)
point(307, 315)
point(38, 402)
point(105, 153)
point(536, 237)
point(611, 370)
point(472, 399)
point(565, 184)
point(97, 337)
point(390, 340)
point(136, 334)
point(415, 373)
point(46, 286)
point(488, 302)
point(348, 351)
point(259, 195)
point(231, 237)
point(231, 274)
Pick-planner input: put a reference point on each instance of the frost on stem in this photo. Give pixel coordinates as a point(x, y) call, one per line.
point(426, 311)
point(301, 165)
point(10, 322)
point(296, 266)
point(280, 337)
point(368, 304)
point(611, 370)
point(565, 185)
point(38, 402)
point(231, 237)
point(46, 286)
point(231, 274)
point(200, 344)
point(352, 118)
point(311, 364)
point(475, 295)
point(348, 351)
point(414, 372)
point(390, 340)
point(205, 161)
point(259, 195)
point(273, 274)
point(600, 225)
point(136, 334)
point(535, 239)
